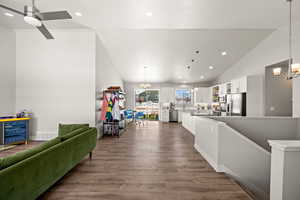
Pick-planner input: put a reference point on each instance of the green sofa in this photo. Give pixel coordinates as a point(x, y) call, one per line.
point(28, 174)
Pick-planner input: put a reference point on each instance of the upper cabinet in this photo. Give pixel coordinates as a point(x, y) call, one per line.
point(167, 94)
point(223, 89)
point(239, 85)
point(243, 84)
point(201, 95)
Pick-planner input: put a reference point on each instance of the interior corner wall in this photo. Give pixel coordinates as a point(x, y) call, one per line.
point(7, 71)
point(272, 50)
point(56, 79)
point(106, 74)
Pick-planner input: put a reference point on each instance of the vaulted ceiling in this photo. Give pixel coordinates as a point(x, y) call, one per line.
point(164, 35)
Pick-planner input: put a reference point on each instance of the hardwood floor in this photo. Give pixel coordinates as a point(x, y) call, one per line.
point(154, 162)
point(19, 148)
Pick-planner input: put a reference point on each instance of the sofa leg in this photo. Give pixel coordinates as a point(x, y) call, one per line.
point(90, 155)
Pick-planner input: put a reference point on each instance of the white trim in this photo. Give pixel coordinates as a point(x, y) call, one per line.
point(209, 159)
point(285, 145)
point(43, 136)
point(261, 194)
point(244, 138)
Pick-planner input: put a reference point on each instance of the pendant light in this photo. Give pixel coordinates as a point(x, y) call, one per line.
point(294, 68)
point(145, 85)
point(277, 71)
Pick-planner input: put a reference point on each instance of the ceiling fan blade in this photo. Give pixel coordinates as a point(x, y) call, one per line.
point(45, 32)
point(55, 15)
point(11, 9)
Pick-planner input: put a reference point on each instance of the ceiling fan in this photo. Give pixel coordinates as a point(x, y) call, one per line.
point(34, 17)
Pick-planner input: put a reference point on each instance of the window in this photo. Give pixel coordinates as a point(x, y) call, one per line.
point(146, 97)
point(183, 96)
point(147, 101)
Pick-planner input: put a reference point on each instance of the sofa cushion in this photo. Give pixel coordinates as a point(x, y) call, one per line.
point(15, 158)
point(64, 129)
point(73, 133)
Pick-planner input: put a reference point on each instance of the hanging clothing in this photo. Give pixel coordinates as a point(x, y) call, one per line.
point(116, 114)
point(104, 108)
point(110, 106)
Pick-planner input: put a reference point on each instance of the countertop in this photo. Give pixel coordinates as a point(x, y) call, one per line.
point(238, 117)
point(253, 117)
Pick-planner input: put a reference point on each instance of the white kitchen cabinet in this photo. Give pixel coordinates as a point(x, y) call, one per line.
point(202, 95)
point(239, 85)
point(180, 116)
point(188, 122)
point(243, 84)
point(165, 115)
point(223, 89)
point(167, 94)
point(235, 86)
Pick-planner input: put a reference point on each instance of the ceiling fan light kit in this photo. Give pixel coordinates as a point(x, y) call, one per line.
point(32, 21)
point(29, 17)
point(35, 18)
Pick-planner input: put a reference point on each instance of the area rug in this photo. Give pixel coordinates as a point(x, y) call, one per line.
point(6, 147)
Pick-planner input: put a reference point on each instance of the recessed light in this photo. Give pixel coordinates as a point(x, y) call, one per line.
point(8, 14)
point(78, 14)
point(211, 67)
point(149, 14)
point(224, 53)
point(202, 77)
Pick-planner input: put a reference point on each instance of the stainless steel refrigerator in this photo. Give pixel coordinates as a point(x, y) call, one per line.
point(236, 104)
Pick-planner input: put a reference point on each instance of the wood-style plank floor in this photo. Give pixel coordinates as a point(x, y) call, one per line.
point(154, 162)
point(19, 148)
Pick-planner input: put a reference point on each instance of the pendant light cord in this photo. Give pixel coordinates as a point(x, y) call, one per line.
point(290, 40)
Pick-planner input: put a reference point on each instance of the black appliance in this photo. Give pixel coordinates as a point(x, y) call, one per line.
point(236, 104)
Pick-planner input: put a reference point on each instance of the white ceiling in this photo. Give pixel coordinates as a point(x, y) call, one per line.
point(168, 53)
point(166, 41)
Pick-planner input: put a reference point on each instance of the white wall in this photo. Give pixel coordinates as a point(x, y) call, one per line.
point(106, 74)
point(56, 78)
point(7, 71)
point(262, 129)
point(273, 49)
point(227, 150)
point(296, 97)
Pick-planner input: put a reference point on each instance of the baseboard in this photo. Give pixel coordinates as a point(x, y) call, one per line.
point(43, 136)
point(257, 192)
point(209, 159)
point(194, 134)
